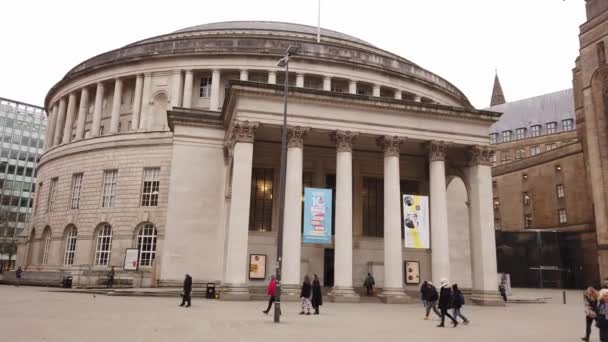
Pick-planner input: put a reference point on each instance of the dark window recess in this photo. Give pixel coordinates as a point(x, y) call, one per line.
point(330, 183)
point(260, 208)
point(373, 207)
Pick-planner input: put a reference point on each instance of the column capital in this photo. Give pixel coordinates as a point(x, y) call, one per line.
point(480, 155)
point(437, 150)
point(390, 145)
point(344, 140)
point(327, 77)
point(243, 131)
point(188, 71)
point(295, 136)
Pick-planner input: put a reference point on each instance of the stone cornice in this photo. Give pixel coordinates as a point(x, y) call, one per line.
point(194, 118)
point(480, 155)
point(344, 140)
point(390, 145)
point(545, 157)
point(295, 136)
point(437, 150)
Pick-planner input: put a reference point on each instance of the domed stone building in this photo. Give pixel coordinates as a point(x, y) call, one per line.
point(171, 146)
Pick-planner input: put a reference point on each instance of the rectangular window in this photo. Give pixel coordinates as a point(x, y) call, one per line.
point(567, 125)
point(119, 126)
point(494, 160)
point(551, 127)
point(560, 191)
point(149, 194)
point(76, 186)
point(505, 156)
point(526, 198)
point(260, 209)
point(527, 220)
point(52, 192)
point(493, 138)
point(205, 87)
point(497, 224)
point(373, 207)
point(100, 130)
point(506, 136)
point(520, 153)
point(550, 147)
point(109, 187)
point(520, 133)
point(534, 150)
point(563, 217)
point(535, 130)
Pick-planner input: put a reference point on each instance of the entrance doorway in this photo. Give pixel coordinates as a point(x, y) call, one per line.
point(328, 267)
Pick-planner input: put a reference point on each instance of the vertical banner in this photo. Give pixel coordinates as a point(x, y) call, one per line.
point(317, 215)
point(416, 221)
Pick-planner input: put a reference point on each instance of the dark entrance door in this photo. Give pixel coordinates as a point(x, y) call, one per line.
point(328, 268)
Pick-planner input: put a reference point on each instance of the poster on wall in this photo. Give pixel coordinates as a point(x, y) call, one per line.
point(317, 215)
point(257, 266)
point(416, 221)
point(131, 258)
point(412, 272)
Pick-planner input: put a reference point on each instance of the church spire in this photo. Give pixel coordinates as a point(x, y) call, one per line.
point(498, 97)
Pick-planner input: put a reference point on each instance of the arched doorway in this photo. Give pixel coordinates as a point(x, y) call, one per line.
point(458, 233)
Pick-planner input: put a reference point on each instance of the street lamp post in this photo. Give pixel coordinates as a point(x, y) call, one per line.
point(284, 62)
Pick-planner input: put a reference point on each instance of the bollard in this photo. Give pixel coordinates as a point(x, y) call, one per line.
point(564, 293)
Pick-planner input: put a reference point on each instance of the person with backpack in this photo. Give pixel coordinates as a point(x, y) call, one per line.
point(457, 304)
point(431, 300)
point(445, 301)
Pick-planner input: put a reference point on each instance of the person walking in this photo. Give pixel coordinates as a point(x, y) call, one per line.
point(590, 302)
point(445, 300)
point(271, 290)
point(19, 274)
point(431, 300)
point(424, 293)
point(110, 278)
point(503, 291)
point(457, 303)
point(369, 284)
point(187, 291)
point(317, 294)
point(602, 314)
point(305, 295)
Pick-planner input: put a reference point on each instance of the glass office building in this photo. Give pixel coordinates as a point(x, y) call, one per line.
point(22, 130)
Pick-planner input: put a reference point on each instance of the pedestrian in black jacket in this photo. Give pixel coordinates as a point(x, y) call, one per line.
point(431, 296)
point(187, 293)
point(457, 303)
point(317, 295)
point(445, 301)
point(305, 296)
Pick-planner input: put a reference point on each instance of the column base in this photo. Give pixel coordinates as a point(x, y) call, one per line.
point(235, 293)
point(290, 293)
point(487, 298)
point(344, 295)
point(395, 296)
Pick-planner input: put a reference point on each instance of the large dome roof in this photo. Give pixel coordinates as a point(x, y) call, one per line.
point(271, 26)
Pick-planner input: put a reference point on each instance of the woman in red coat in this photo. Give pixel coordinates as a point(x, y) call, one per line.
point(272, 287)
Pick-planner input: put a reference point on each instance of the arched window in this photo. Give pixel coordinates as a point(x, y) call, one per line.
point(146, 244)
point(46, 243)
point(70, 246)
point(103, 247)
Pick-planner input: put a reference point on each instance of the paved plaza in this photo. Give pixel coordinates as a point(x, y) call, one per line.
point(42, 314)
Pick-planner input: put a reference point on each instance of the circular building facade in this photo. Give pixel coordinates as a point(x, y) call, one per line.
point(163, 158)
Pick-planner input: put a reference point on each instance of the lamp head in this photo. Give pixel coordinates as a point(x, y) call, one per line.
point(292, 49)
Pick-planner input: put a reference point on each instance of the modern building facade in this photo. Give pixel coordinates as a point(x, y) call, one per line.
point(590, 100)
point(22, 127)
point(171, 146)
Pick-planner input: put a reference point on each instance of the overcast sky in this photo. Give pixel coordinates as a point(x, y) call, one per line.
point(532, 43)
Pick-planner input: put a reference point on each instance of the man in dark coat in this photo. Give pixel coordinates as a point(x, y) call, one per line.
point(317, 295)
point(186, 296)
point(369, 284)
point(431, 300)
point(445, 301)
point(110, 278)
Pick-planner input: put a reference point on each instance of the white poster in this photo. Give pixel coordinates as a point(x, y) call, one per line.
point(131, 256)
point(416, 221)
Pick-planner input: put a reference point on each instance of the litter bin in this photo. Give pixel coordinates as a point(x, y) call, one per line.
point(67, 282)
point(210, 294)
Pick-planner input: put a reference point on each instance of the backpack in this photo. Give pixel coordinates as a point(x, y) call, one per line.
point(459, 299)
point(433, 294)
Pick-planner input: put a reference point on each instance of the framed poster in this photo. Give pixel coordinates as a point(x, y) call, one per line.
point(257, 266)
point(131, 259)
point(412, 272)
point(416, 221)
point(317, 215)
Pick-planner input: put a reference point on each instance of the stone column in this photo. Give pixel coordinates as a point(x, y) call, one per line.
point(60, 122)
point(440, 253)
point(188, 83)
point(352, 87)
point(116, 99)
point(99, 94)
point(139, 84)
point(398, 94)
point(393, 258)
point(50, 130)
point(176, 88)
point(235, 276)
point(327, 83)
point(300, 80)
point(215, 90)
point(481, 215)
point(343, 270)
point(272, 77)
point(244, 75)
point(69, 119)
point(145, 101)
point(376, 90)
point(83, 110)
point(292, 234)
